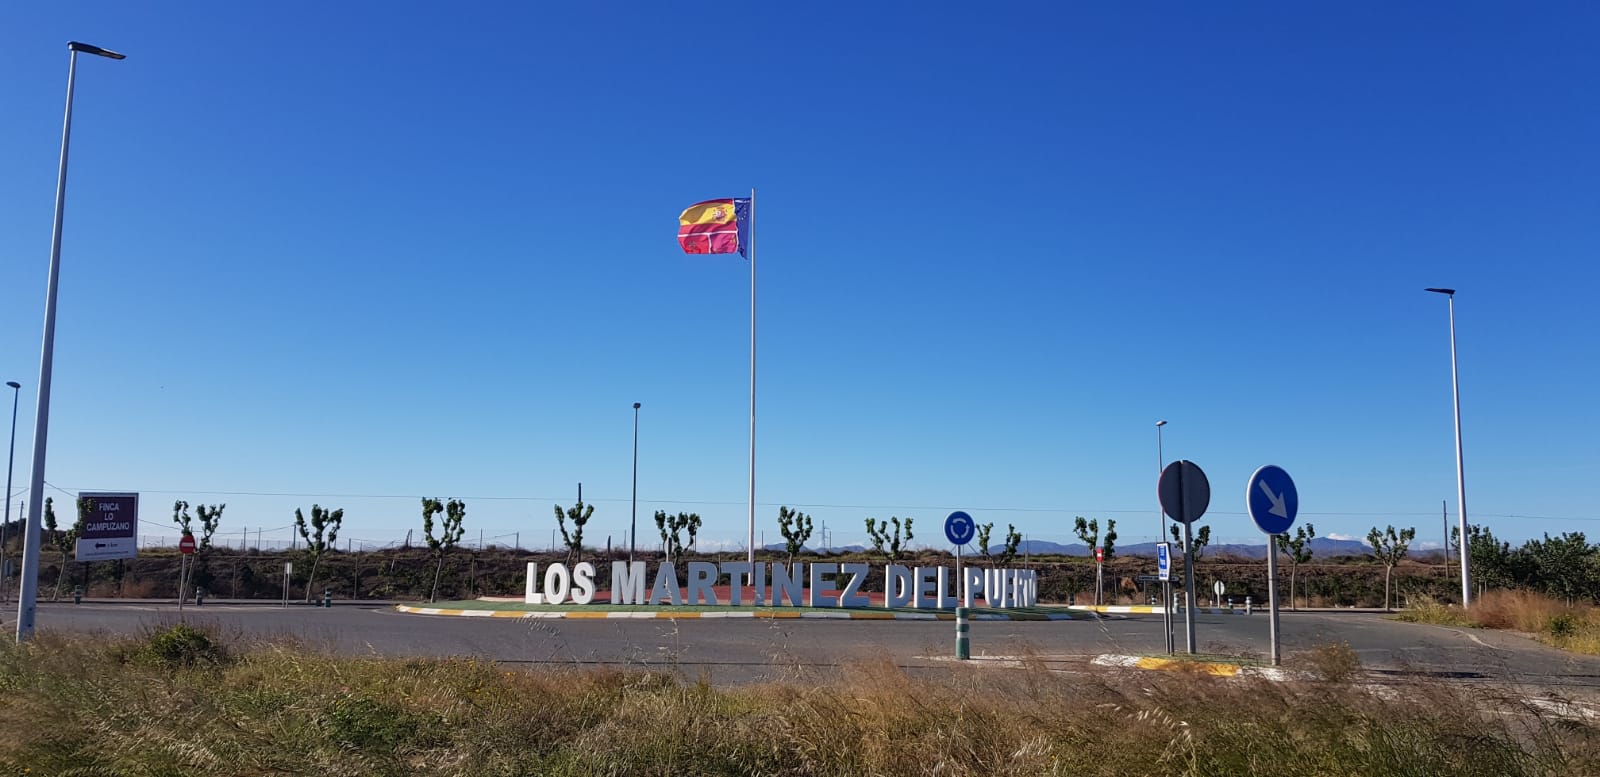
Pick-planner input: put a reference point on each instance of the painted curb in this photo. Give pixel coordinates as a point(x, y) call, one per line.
point(855, 615)
point(1215, 669)
point(1145, 609)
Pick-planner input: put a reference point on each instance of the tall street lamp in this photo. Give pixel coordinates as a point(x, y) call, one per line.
point(26, 599)
point(1461, 472)
point(1161, 536)
point(11, 460)
point(633, 532)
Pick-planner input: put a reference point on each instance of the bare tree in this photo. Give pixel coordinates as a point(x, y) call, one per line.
point(1390, 547)
point(881, 537)
point(579, 514)
point(1299, 551)
point(795, 527)
point(320, 535)
point(450, 531)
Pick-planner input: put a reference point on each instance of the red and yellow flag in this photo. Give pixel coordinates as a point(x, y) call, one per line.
point(716, 227)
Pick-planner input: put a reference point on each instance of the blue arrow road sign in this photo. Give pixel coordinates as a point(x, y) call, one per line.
point(959, 528)
point(1272, 499)
point(1164, 561)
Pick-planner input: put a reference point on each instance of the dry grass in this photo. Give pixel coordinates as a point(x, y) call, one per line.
point(1566, 626)
point(178, 704)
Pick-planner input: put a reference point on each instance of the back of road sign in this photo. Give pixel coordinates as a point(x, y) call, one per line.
point(1184, 490)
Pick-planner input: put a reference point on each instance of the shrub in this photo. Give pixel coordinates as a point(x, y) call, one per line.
point(182, 645)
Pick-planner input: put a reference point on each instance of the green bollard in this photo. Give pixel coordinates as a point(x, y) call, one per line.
point(327, 597)
point(77, 594)
point(199, 597)
point(963, 650)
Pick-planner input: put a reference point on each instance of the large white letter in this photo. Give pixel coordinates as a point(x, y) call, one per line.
point(583, 583)
point(556, 582)
point(737, 572)
point(924, 600)
point(896, 586)
point(947, 595)
point(666, 586)
point(627, 582)
point(702, 576)
point(822, 586)
point(993, 588)
point(852, 596)
point(532, 595)
point(974, 576)
point(788, 581)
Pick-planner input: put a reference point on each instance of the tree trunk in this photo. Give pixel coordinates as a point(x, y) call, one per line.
point(1387, 570)
point(433, 596)
point(316, 559)
point(59, 575)
point(1294, 570)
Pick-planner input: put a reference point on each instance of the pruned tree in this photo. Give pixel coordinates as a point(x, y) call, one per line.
point(1197, 544)
point(881, 536)
point(450, 531)
point(1089, 532)
point(795, 527)
point(579, 515)
point(210, 517)
point(1298, 549)
point(1013, 542)
point(672, 527)
point(983, 538)
point(320, 533)
point(1389, 547)
point(62, 541)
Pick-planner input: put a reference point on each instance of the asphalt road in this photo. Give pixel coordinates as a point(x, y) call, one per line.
point(741, 650)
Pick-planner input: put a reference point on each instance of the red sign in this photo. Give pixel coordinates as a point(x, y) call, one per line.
point(186, 545)
point(1099, 555)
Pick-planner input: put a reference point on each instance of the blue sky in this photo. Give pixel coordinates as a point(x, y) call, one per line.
point(359, 253)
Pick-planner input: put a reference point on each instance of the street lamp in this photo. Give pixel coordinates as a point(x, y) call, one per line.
point(634, 531)
point(1161, 536)
point(11, 460)
point(26, 598)
point(1461, 476)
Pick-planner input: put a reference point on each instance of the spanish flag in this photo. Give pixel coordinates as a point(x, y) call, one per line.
point(716, 227)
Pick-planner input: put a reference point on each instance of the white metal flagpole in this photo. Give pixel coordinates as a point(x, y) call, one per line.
point(753, 386)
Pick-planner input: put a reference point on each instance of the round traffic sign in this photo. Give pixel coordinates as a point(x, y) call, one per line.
point(959, 528)
point(1184, 491)
point(1272, 499)
point(186, 545)
point(1219, 588)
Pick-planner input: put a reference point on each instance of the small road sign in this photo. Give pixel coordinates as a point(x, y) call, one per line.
point(1164, 560)
point(1184, 490)
point(1219, 589)
point(1272, 499)
point(959, 528)
point(186, 545)
point(1099, 555)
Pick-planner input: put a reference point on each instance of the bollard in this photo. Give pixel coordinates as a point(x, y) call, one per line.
point(1249, 605)
point(199, 597)
point(1230, 605)
point(963, 650)
point(327, 597)
point(77, 594)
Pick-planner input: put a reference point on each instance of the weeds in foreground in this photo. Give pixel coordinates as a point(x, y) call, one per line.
point(265, 709)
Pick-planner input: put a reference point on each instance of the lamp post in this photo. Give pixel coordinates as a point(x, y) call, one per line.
point(1161, 536)
point(633, 531)
point(26, 598)
point(1461, 476)
point(11, 460)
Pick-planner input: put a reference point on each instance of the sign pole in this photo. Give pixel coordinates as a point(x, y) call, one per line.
point(1272, 593)
point(1188, 586)
point(183, 573)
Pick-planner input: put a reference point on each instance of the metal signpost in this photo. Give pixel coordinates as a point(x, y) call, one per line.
point(958, 529)
point(1273, 503)
point(1185, 494)
point(186, 549)
point(1099, 573)
point(111, 528)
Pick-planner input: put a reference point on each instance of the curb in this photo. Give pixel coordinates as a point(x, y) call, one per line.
point(1145, 609)
point(855, 615)
point(1213, 668)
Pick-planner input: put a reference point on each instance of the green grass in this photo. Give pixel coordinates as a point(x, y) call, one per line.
point(179, 703)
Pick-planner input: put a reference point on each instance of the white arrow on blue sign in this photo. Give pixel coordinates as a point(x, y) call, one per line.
point(1272, 499)
point(959, 528)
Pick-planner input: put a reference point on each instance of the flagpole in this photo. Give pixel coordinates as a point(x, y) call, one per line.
point(753, 387)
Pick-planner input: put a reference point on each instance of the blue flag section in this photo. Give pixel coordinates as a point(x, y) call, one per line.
point(1272, 499)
